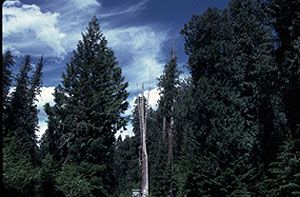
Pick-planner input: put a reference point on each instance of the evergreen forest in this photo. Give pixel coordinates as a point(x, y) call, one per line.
point(230, 129)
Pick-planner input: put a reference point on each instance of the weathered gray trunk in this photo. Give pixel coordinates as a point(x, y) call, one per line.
point(144, 159)
point(170, 129)
point(170, 140)
point(164, 129)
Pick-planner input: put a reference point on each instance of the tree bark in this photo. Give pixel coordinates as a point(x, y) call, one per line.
point(145, 175)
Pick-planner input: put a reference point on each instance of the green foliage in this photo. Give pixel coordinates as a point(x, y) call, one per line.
point(51, 142)
point(18, 170)
point(19, 104)
point(162, 136)
point(234, 122)
point(7, 62)
point(160, 172)
point(284, 179)
point(226, 137)
point(127, 165)
point(22, 120)
point(48, 172)
point(86, 115)
point(286, 20)
point(72, 183)
point(20, 123)
point(167, 84)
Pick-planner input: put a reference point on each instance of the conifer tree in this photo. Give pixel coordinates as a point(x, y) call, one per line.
point(52, 149)
point(34, 92)
point(286, 22)
point(22, 117)
point(229, 65)
point(256, 70)
point(168, 84)
point(160, 172)
point(19, 101)
point(7, 62)
point(187, 143)
point(127, 165)
point(284, 178)
point(51, 142)
point(20, 148)
point(91, 99)
point(212, 118)
point(157, 153)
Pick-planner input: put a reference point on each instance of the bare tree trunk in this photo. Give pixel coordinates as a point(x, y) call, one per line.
point(170, 155)
point(164, 128)
point(170, 141)
point(145, 175)
point(170, 147)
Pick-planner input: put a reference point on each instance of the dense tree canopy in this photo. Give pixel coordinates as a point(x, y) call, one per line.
point(231, 128)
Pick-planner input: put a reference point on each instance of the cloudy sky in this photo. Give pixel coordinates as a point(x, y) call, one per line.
point(141, 32)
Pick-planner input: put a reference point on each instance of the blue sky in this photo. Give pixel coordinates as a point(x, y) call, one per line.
point(141, 32)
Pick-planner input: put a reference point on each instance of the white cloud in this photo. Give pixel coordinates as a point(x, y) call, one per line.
point(42, 128)
point(152, 96)
point(130, 9)
point(86, 3)
point(142, 47)
point(46, 96)
point(12, 49)
point(30, 30)
point(27, 20)
point(124, 133)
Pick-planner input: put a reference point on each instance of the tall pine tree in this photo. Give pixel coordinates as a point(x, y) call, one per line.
point(168, 85)
point(7, 62)
point(91, 98)
point(286, 21)
point(20, 144)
